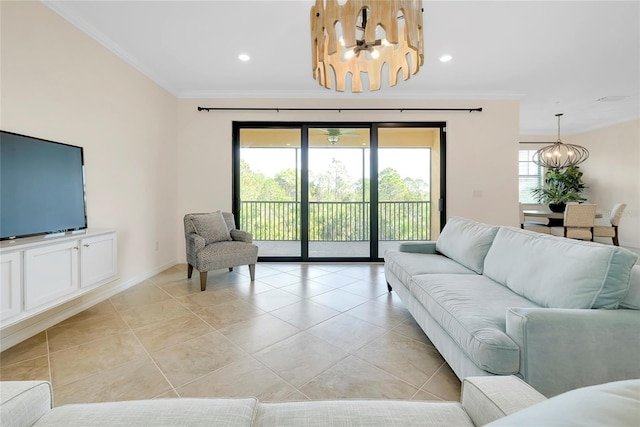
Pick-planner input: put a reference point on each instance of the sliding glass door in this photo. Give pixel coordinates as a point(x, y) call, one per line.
point(338, 191)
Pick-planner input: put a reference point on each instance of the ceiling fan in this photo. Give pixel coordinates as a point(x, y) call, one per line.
point(334, 134)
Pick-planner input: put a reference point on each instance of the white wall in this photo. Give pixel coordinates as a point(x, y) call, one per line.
point(59, 84)
point(482, 150)
point(612, 173)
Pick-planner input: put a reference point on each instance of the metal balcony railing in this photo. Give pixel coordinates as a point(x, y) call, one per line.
point(336, 221)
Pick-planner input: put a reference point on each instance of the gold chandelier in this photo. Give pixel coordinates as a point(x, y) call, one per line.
point(361, 36)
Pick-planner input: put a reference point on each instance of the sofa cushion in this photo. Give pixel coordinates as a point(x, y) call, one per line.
point(558, 272)
point(466, 242)
point(160, 412)
point(610, 404)
point(406, 265)
point(361, 413)
point(472, 309)
point(632, 299)
point(211, 226)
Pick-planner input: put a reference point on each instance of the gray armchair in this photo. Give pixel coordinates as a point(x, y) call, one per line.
point(213, 242)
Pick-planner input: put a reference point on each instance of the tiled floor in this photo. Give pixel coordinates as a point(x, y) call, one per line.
point(320, 331)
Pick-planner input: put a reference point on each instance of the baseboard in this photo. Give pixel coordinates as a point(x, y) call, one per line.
point(29, 327)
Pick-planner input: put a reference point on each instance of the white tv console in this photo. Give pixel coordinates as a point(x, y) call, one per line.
point(40, 273)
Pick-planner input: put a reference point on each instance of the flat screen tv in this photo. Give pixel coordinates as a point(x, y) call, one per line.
point(41, 187)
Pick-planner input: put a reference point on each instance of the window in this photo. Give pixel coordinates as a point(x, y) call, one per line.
point(530, 176)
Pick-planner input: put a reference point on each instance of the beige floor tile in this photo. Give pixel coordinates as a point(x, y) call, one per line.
point(169, 275)
point(411, 329)
point(305, 314)
point(307, 289)
point(308, 271)
point(299, 358)
point(181, 288)
point(407, 359)
point(223, 315)
point(296, 396)
point(366, 289)
point(259, 332)
point(444, 384)
point(423, 395)
point(391, 298)
point(353, 378)
point(75, 363)
point(32, 369)
point(172, 331)
point(273, 300)
point(144, 315)
point(189, 360)
point(138, 296)
point(245, 377)
point(208, 298)
point(346, 332)
point(100, 309)
point(76, 333)
point(31, 348)
point(279, 280)
point(335, 280)
point(247, 289)
point(339, 300)
point(370, 272)
point(387, 316)
point(139, 379)
point(94, 337)
point(265, 269)
point(171, 394)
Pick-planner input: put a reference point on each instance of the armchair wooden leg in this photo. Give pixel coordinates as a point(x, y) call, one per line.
point(252, 271)
point(389, 287)
point(189, 271)
point(203, 280)
point(615, 237)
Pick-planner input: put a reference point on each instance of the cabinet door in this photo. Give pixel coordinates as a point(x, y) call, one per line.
point(11, 284)
point(98, 260)
point(50, 272)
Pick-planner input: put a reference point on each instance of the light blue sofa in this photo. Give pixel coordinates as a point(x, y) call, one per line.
point(558, 313)
point(491, 401)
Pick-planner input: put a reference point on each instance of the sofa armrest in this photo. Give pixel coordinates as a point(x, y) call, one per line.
point(486, 399)
point(418, 247)
point(241, 236)
point(22, 403)
point(563, 349)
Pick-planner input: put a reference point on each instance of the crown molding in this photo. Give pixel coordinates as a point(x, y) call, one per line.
point(62, 10)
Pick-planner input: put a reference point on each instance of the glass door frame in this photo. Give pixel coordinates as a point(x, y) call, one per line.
point(304, 184)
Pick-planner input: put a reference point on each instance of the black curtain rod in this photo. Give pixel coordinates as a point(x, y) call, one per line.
point(338, 109)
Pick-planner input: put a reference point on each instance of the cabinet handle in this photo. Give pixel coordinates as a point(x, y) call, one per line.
point(76, 248)
point(86, 245)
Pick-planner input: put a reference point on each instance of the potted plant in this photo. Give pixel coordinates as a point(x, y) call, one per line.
point(561, 186)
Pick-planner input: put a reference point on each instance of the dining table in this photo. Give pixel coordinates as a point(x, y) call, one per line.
point(556, 219)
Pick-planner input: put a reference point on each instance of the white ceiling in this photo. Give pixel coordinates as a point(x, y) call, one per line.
point(553, 56)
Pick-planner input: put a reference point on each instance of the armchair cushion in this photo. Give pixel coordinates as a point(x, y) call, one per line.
point(211, 226)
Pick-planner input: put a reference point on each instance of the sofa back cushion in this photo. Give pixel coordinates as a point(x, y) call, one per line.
point(558, 272)
point(466, 242)
point(212, 226)
point(632, 300)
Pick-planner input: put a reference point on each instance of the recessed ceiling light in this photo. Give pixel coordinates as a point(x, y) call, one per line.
point(244, 57)
point(446, 58)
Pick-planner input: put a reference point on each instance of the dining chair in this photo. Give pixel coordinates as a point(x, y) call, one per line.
point(614, 219)
point(579, 221)
point(532, 225)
